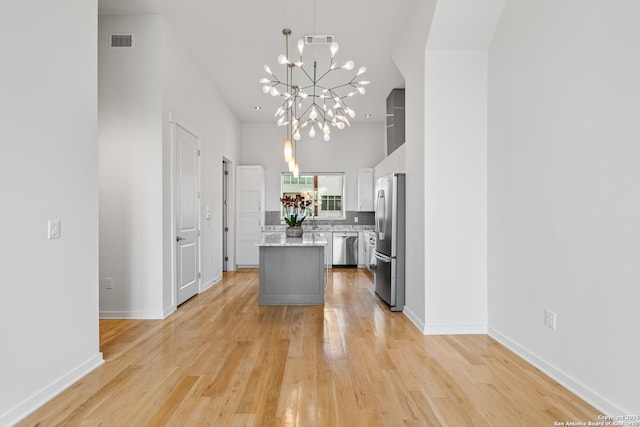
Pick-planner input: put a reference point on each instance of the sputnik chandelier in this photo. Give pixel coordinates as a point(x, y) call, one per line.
point(313, 101)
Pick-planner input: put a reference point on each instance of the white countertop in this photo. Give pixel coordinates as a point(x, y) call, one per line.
point(307, 239)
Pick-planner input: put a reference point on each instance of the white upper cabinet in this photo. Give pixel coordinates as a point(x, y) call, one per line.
point(365, 189)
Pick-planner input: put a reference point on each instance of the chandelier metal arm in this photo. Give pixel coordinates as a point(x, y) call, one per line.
point(327, 72)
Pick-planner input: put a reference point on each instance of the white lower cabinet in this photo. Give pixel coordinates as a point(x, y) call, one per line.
point(362, 241)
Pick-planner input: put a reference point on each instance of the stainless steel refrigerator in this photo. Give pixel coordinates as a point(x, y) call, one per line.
point(390, 240)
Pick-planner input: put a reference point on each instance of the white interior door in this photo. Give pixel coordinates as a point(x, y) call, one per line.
point(225, 215)
point(187, 195)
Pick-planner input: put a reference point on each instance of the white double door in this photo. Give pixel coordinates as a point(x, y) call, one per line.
point(186, 213)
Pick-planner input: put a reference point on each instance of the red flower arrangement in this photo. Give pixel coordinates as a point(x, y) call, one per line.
point(295, 208)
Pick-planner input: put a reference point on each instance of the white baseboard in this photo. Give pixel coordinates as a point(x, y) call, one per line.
point(414, 319)
point(168, 311)
point(444, 329)
point(455, 329)
point(210, 283)
point(134, 315)
point(585, 393)
point(26, 407)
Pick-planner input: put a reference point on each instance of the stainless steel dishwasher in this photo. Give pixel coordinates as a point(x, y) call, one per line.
point(345, 249)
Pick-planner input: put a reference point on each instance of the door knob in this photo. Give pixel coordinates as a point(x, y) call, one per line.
point(180, 238)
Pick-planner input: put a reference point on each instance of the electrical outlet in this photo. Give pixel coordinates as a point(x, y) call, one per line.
point(355, 219)
point(108, 282)
point(550, 319)
point(53, 229)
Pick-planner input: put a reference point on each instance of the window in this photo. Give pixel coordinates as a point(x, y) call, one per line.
point(325, 190)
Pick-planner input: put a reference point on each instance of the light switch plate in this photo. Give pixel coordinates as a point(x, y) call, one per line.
point(54, 229)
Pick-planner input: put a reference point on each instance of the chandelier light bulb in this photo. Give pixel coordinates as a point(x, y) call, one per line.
point(349, 65)
point(266, 89)
point(364, 82)
point(292, 164)
point(334, 48)
point(313, 115)
point(296, 135)
point(362, 90)
point(267, 69)
point(296, 170)
point(362, 70)
point(264, 80)
point(327, 137)
point(288, 152)
point(312, 132)
point(300, 46)
point(273, 91)
point(282, 60)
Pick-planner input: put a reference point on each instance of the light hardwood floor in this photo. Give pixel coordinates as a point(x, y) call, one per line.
point(222, 360)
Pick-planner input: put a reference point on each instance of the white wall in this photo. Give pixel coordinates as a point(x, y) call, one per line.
point(456, 190)
point(410, 59)
point(444, 65)
point(131, 187)
point(358, 146)
point(563, 193)
point(139, 89)
point(48, 170)
point(191, 96)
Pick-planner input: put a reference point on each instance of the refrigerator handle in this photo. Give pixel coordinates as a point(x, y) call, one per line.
point(381, 215)
point(382, 258)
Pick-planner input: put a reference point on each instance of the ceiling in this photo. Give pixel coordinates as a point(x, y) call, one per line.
point(234, 39)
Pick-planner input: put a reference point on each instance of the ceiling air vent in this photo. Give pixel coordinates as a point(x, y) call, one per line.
point(121, 40)
point(318, 39)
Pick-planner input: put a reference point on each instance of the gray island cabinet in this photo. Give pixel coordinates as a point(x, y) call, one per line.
point(292, 269)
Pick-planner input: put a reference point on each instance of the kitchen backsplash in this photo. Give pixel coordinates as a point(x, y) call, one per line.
point(364, 218)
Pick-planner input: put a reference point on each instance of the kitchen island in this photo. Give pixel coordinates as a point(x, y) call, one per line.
point(292, 269)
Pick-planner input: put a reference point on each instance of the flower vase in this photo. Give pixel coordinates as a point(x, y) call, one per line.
point(294, 231)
